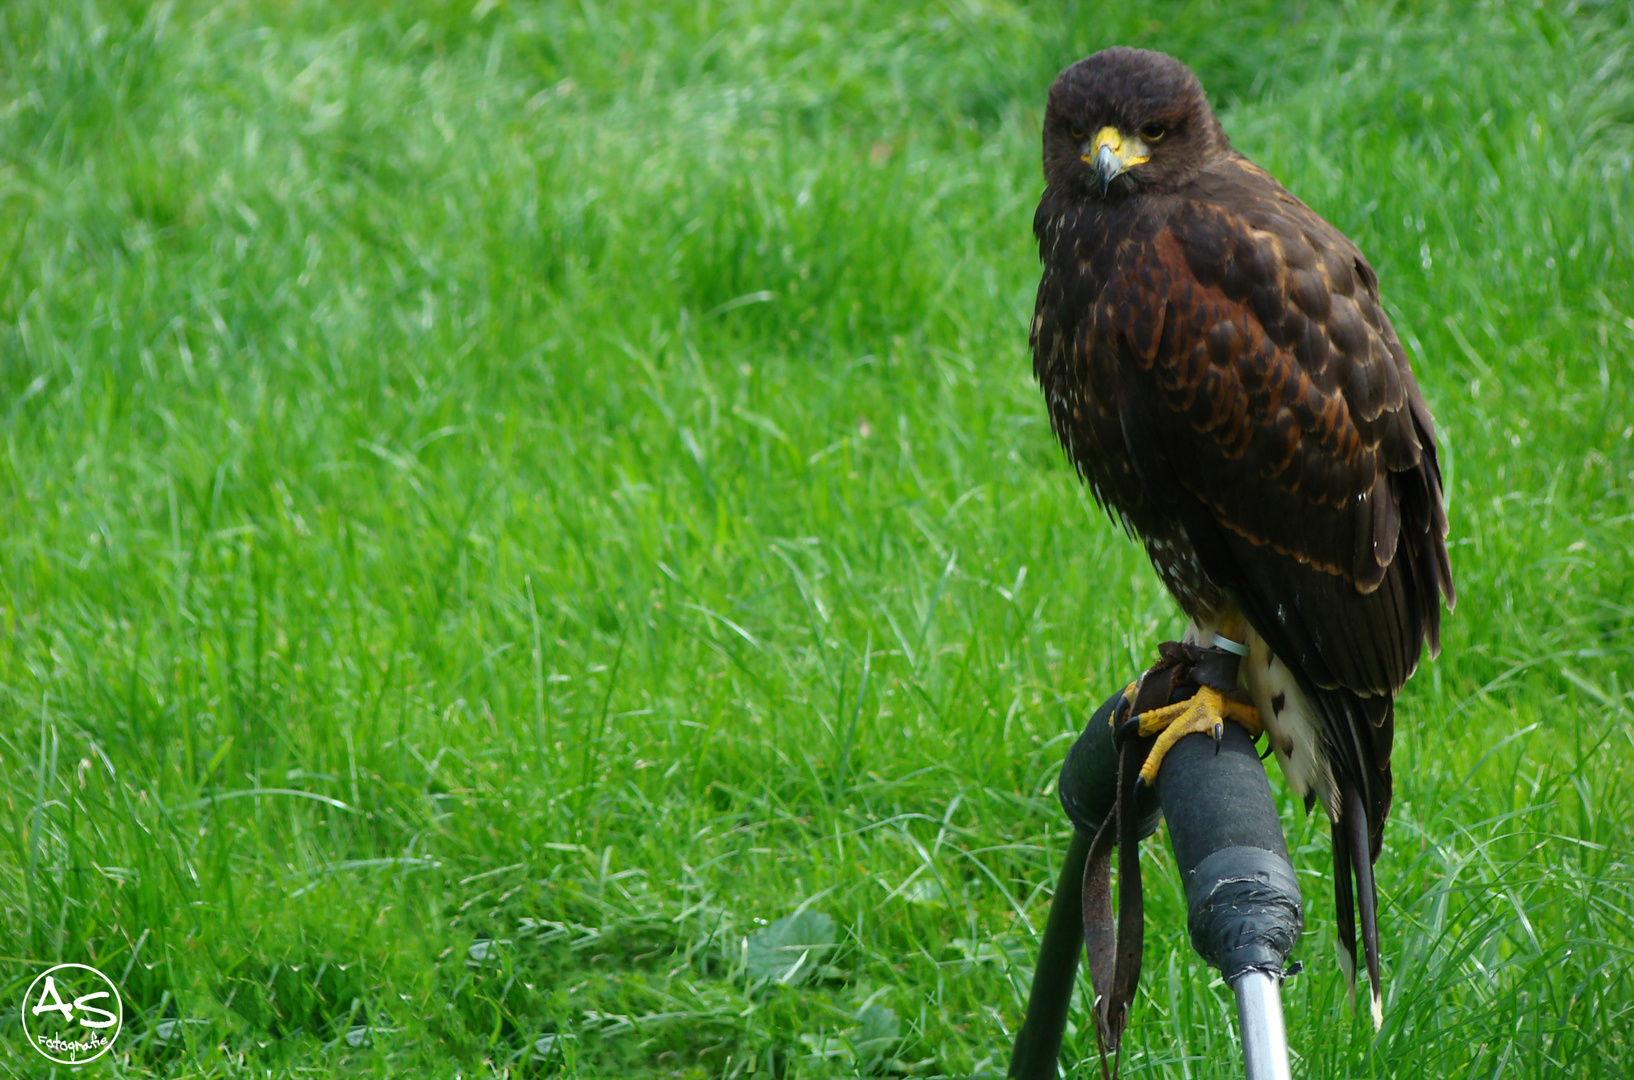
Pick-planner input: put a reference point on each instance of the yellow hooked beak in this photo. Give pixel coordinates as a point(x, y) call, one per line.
point(1110, 153)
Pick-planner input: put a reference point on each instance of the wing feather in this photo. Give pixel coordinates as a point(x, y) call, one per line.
point(1278, 390)
point(1265, 401)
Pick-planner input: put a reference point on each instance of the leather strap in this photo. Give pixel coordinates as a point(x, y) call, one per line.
point(1114, 948)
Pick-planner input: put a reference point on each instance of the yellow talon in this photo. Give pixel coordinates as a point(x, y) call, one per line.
point(1204, 713)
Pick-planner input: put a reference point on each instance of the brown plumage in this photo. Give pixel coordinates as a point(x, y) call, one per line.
point(1219, 368)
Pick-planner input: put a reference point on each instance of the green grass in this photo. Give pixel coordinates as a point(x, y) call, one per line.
point(497, 505)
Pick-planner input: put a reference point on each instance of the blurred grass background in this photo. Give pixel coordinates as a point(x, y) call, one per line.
point(501, 503)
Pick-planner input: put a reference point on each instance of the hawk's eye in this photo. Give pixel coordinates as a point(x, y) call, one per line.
point(1077, 135)
point(1153, 132)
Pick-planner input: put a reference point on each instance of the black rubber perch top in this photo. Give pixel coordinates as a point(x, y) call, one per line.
point(1243, 900)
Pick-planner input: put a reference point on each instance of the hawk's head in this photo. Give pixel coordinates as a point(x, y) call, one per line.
point(1123, 120)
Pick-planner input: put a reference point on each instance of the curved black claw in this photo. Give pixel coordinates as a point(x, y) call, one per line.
point(1218, 733)
point(1120, 714)
point(1126, 729)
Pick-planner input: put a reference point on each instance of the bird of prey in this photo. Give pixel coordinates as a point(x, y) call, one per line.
point(1217, 365)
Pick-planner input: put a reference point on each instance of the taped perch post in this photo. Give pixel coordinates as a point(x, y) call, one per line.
point(1243, 902)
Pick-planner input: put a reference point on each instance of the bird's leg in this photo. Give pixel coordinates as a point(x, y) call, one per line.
point(1204, 713)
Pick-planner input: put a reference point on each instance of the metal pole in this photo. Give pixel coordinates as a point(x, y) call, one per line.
point(1259, 1018)
point(1038, 1042)
point(1244, 910)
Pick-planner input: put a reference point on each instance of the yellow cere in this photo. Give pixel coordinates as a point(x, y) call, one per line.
point(1131, 150)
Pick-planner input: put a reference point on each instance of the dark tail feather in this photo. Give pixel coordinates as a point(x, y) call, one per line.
point(1344, 910)
point(1355, 823)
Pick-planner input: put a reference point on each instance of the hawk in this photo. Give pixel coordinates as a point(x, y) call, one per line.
point(1219, 369)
